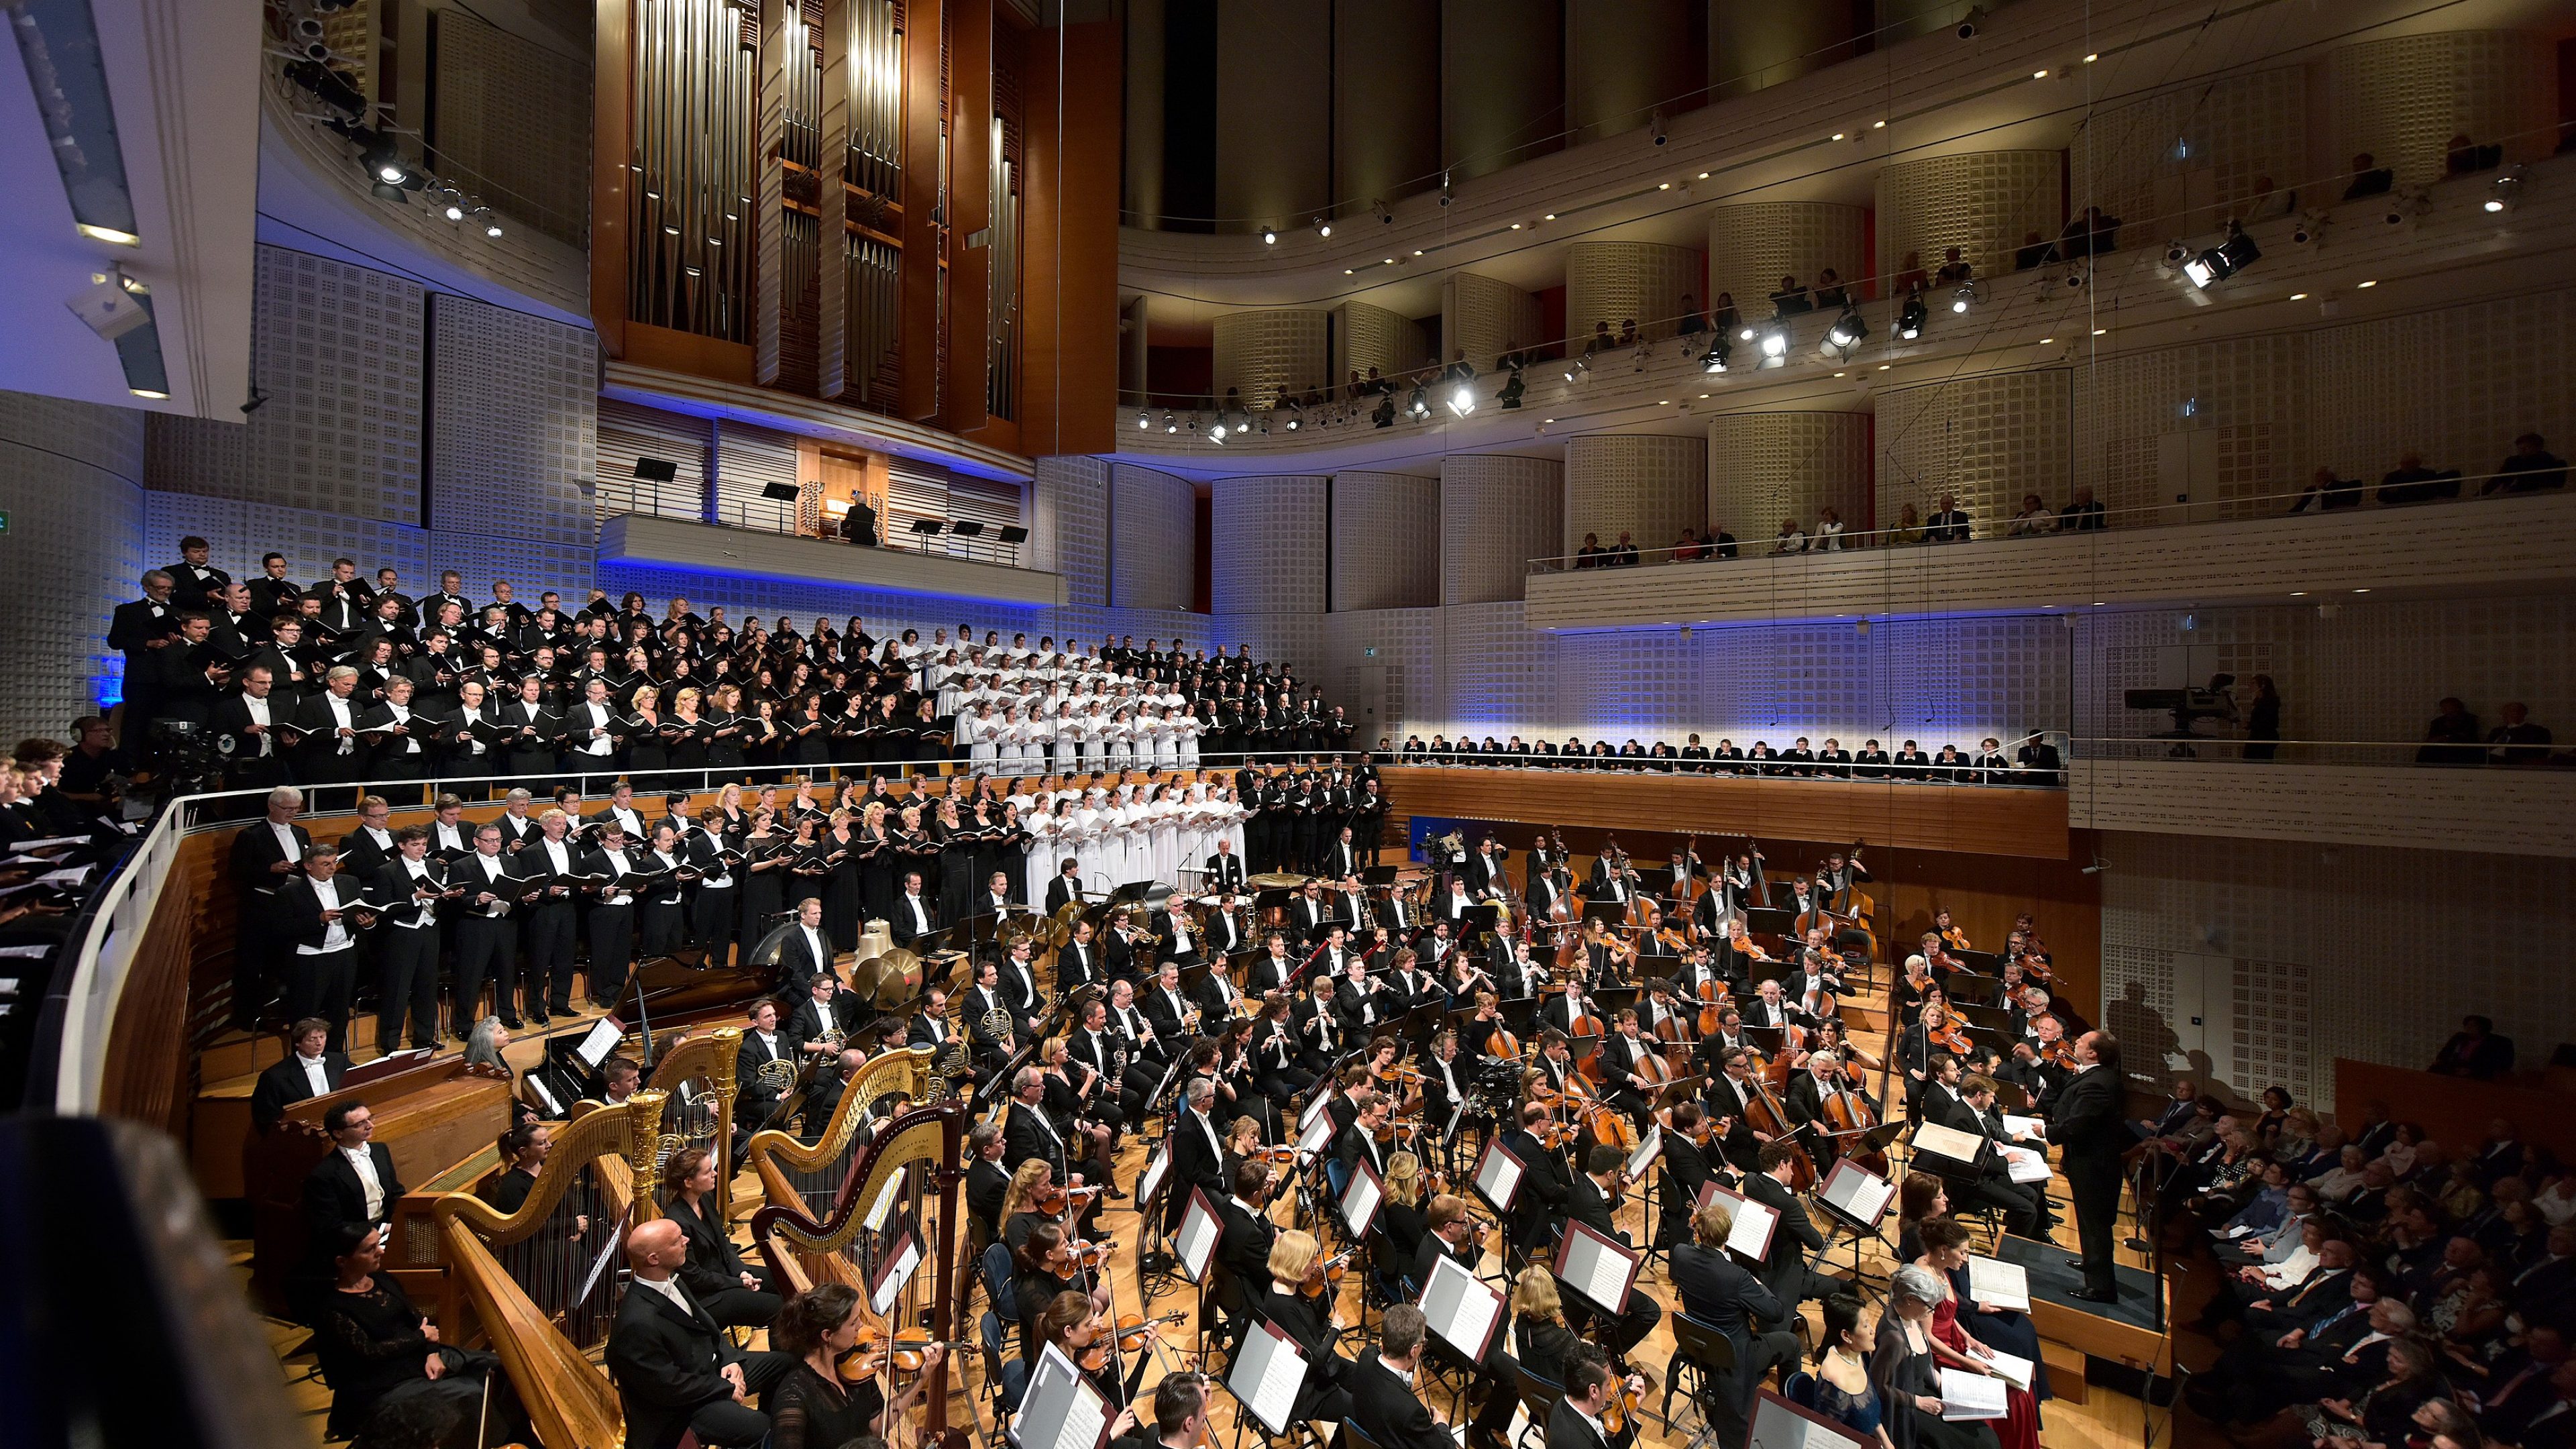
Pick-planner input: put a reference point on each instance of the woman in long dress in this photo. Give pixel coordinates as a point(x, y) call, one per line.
point(1235, 815)
point(1067, 735)
point(1167, 740)
point(1906, 1374)
point(1163, 818)
point(1010, 754)
point(1041, 854)
point(1090, 835)
point(1193, 850)
point(978, 732)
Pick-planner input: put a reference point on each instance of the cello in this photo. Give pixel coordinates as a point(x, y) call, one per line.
point(1762, 1113)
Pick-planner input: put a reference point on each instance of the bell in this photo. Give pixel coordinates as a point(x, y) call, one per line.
point(876, 940)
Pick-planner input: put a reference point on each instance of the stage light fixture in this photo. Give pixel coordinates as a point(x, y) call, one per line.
point(1655, 128)
point(1775, 341)
point(2505, 192)
point(1964, 298)
point(1847, 332)
point(1419, 404)
point(1216, 434)
point(1513, 387)
point(1169, 424)
point(1462, 400)
point(2222, 261)
point(1909, 320)
point(1714, 360)
point(1269, 238)
point(1971, 23)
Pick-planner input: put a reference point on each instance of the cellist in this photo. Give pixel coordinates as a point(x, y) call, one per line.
point(1632, 1068)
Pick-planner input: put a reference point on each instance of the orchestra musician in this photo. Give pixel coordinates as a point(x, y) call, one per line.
point(1576, 1422)
point(1593, 1200)
point(1546, 1186)
point(1721, 1293)
point(1448, 1231)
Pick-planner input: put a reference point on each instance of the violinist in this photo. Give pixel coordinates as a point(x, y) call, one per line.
point(1594, 1201)
point(1914, 989)
point(1449, 1232)
point(1688, 1132)
point(1546, 1186)
point(1019, 1215)
point(1740, 958)
point(1951, 936)
point(1299, 1305)
point(1936, 954)
point(1785, 1271)
point(1556, 1062)
point(1078, 1325)
point(2037, 1002)
point(813, 1407)
point(1385, 1405)
point(1046, 1265)
point(1180, 1419)
point(1593, 1392)
point(1244, 1236)
point(1368, 1139)
point(1932, 1034)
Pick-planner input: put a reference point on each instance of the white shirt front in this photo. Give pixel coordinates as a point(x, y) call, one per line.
point(315, 1079)
point(341, 717)
point(418, 870)
point(363, 1161)
point(257, 708)
point(920, 917)
point(335, 933)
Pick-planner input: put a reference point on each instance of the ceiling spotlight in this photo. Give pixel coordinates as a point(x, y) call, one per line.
point(1216, 434)
point(1516, 226)
point(1909, 320)
point(2091, 56)
point(1463, 400)
point(1748, 334)
point(1714, 361)
point(1878, 125)
point(2222, 261)
point(1419, 405)
point(1384, 216)
point(2040, 74)
point(1269, 238)
point(1838, 135)
point(1323, 227)
point(1663, 186)
point(2298, 296)
point(1655, 127)
point(492, 224)
point(1847, 331)
point(1972, 22)
point(2311, 227)
point(2505, 192)
point(1551, 216)
point(1576, 369)
point(454, 210)
point(1169, 425)
point(1775, 341)
point(1296, 417)
point(2366, 286)
point(1447, 193)
point(1964, 298)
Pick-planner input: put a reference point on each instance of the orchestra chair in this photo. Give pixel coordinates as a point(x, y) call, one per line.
point(1705, 1357)
point(1005, 1376)
point(1800, 1389)
point(1538, 1400)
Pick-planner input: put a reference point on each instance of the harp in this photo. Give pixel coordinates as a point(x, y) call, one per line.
point(812, 1175)
point(529, 1279)
point(696, 1076)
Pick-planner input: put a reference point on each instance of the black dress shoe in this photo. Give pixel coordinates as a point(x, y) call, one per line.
point(540, 1018)
point(513, 1023)
point(2095, 1295)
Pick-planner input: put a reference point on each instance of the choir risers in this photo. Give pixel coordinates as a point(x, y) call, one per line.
point(637, 538)
point(1974, 820)
point(2439, 550)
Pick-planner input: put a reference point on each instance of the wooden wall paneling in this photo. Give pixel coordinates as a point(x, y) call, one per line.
point(2455, 1111)
point(611, 91)
point(970, 210)
point(1069, 370)
point(148, 1048)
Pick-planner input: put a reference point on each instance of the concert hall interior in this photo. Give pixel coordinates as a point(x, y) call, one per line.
point(1337, 724)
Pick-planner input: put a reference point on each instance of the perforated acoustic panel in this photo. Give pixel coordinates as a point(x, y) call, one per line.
point(1989, 440)
point(1366, 337)
point(2456, 385)
point(1267, 540)
point(1982, 202)
point(1650, 487)
point(1069, 526)
point(2252, 395)
point(1763, 467)
point(337, 349)
point(1265, 353)
point(514, 405)
point(77, 547)
point(2188, 156)
point(1495, 673)
point(1153, 550)
point(1486, 317)
point(1386, 530)
point(240, 533)
point(2403, 99)
point(530, 566)
point(1751, 247)
point(514, 122)
point(1614, 282)
point(1497, 512)
point(2282, 913)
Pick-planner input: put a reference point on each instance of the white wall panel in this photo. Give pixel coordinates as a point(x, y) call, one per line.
point(71, 480)
point(514, 402)
point(1266, 538)
point(1386, 531)
point(2402, 99)
point(1649, 486)
point(1497, 512)
point(1982, 202)
point(1989, 440)
point(1763, 467)
point(1069, 526)
point(1153, 553)
point(1267, 353)
point(1752, 246)
point(1616, 282)
point(2179, 163)
point(1486, 317)
point(1366, 337)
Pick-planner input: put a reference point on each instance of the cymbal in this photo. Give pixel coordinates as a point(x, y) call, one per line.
point(1278, 880)
point(866, 975)
point(1068, 913)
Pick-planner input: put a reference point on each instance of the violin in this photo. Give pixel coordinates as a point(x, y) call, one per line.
point(1949, 1037)
point(1623, 1406)
point(1132, 1333)
point(869, 1356)
point(1955, 939)
point(1326, 1276)
point(1054, 1198)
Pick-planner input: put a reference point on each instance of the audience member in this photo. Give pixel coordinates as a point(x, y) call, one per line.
point(2328, 492)
point(2517, 741)
point(2474, 1051)
point(2034, 518)
point(1947, 523)
point(1955, 270)
point(2082, 514)
point(2532, 468)
point(1910, 278)
point(2369, 178)
point(2452, 738)
point(1791, 299)
point(2411, 482)
point(2034, 251)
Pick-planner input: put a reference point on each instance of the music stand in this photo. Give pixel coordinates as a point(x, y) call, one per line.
point(1267, 1374)
point(927, 529)
point(894, 1270)
point(1953, 1154)
point(1498, 1176)
point(1856, 1199)
point(1012, 537)
point(1755, 1222)
point(1780, 1424)
point(1361, 1198)
point(1061, 1408)
point(1595, 1267)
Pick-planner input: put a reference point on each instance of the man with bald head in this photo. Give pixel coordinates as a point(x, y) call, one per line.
point(675, 1370)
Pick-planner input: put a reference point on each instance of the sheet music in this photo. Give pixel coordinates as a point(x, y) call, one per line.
point(608, 1253)
point(1461, 1307)
point(1150, 1181)
point(1317, 1135)
point(2036, 1127)
point(1857, 1192)
point(2021, 1164)
point(1498, 1176)
point(894, 1273)
point(884, 1204)
point(602, 1039)
point(1594, 1267)
point(1646, 1153)
point(1947, 1142)
point(1360, 1200)
point(1998, 1284)
point(1061, 1409)
point(1970, 1396)
point(1779, 1424)
point(1755, 1223)
point(2015, 1369)
point(1268, 1371)
point(1314, 1109)
point(1196, 1241)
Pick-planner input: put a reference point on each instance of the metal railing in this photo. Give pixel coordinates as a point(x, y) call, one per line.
point(620, 497)
point(2343, 496)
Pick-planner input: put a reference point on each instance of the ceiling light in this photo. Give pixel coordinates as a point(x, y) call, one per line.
point(1884, 366)
point(2046, 340)
point(2222, 261)
point(1551, 216)
point(2361, 591)
point(1417, 251)
point(1878, 125)
point(1463, 400)
point(1964, 298)
point(1269, 238)
point(2092, 56)
point(1775, 341)
point(163, 397)
point(2298, 593)
point(1323, 227)
point(2369, 284)
point(1390, 261)
point(2101, 331)
point(107, 234)
point(2040, 74)
point(453, 211)
point(1144, 420)
point(1216, 434)
point(1516, 226)
point(1347, 272)
point(1846, 332)
point(2298, 296)
point(1663, 186)
point(1909, 321)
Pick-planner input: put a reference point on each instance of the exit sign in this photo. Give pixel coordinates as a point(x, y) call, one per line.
point(1368, 653)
